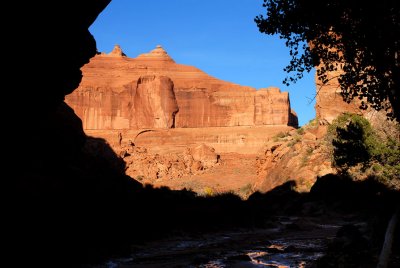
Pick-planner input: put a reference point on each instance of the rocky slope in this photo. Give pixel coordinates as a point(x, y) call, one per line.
point(217, 159)
point(298, 155)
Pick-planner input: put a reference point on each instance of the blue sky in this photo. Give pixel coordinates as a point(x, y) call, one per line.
point(219, 37)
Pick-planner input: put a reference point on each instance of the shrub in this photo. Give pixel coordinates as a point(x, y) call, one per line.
point(300, 131)
point(291, 143)
point(208, 192)
point(140, 177)
point(353, 142)
point(358, 149)
point(306, 156)
point(246, 190)
point(313, 123)
point(282, 135)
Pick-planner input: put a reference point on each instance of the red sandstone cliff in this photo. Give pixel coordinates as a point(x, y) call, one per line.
point(154, 103)
point(152, 91)
point(329, 102)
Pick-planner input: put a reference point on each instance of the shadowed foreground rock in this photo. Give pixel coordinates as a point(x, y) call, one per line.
point(48, 193)
point(68, 201)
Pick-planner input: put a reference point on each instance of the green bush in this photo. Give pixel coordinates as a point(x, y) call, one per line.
point(300, 131)
point(353, 142)
point(357, 146)
point(312, 124)
point(295, 140)
point(282, 135)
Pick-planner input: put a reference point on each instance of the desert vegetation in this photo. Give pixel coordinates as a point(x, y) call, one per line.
point(362, 150)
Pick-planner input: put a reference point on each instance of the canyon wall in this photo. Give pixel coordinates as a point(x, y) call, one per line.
point(329, 102)
point(152, 91)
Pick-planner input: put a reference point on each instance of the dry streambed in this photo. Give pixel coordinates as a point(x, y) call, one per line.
point(290, 242)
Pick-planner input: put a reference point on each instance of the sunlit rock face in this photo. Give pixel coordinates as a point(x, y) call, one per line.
point(154, 103)
point(329, 102)
point(152, 91)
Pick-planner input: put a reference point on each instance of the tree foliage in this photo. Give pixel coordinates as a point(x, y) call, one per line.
point(353, 141)
point(358, 147)
point(361, 38)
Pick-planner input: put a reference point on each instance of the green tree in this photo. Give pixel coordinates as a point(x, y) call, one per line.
point(359, 37)
point(355, 143)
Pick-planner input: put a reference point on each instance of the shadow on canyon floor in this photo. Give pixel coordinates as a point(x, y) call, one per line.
point(87, 210)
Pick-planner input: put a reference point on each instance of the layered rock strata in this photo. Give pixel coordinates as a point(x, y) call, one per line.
point(152, 91)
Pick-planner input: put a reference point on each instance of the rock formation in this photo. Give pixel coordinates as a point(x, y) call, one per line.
point(61, 185)
point(297, 156)
point(56, 190)
point(116, 52)
point(152, 91)
point(329, 102)
point(155, 104)
point(50, 130)
point(148, 167)
point(218, 158)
